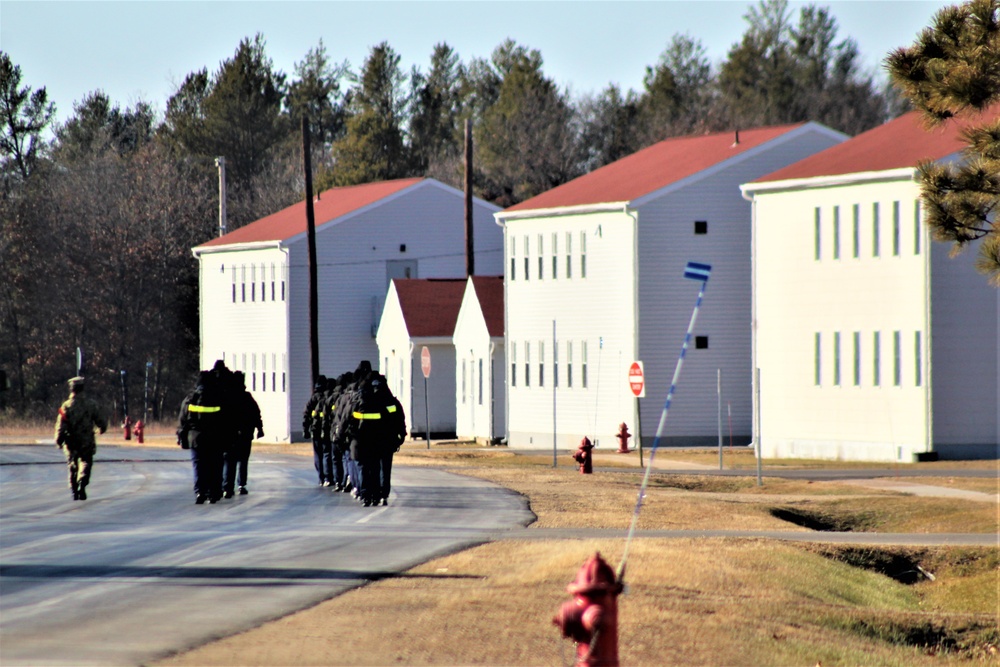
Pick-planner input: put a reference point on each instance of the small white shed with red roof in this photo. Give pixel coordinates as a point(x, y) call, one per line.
point(480, 393)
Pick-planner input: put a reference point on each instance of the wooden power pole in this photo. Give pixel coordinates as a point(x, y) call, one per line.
point(311, 234)
point(470, 259)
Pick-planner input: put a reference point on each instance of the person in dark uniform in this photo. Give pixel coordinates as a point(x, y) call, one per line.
point(308, 420)
point(392, 436)
point(330, 431)
point(202, 429)
point(247, 421)
point(78, 417)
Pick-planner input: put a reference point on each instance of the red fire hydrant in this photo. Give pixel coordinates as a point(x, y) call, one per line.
point(591, 617)
point(139, 428)
point(127, 427)
point(584, 457)
point(623, 436)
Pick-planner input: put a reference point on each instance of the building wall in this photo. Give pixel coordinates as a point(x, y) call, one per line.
point(668, 239)
point(423, 226)
point(880, 414)
point(965, 316)
point(479, 375)
point(244, 304)
point(595, 332)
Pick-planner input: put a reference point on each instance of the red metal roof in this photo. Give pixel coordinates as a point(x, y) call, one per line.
point(652, 168)
point(489, 290)
point(329, 205)
point(430, 305)
point(898, 144)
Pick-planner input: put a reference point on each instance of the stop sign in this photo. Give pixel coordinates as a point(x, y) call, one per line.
point(425, 361)
point(636, 381)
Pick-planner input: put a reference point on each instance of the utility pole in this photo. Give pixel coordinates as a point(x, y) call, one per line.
point(311, 235)
point(220, 162)
point(470, 260)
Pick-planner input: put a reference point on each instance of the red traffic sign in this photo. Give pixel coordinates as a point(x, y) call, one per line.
point(636, 381)
point(425, 361)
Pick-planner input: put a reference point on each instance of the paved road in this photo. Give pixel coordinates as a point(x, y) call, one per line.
point(139, 571)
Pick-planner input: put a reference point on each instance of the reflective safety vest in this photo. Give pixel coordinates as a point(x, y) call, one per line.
point(366, 415)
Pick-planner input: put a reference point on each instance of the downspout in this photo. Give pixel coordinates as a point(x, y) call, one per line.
point(288, 336)
point(492, 433)
point(506, 333)
point(753, 319)
point(635, 312)
point(409, 367)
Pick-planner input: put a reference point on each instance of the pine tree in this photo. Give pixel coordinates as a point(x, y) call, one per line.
point(24, 115)
point(952, 73)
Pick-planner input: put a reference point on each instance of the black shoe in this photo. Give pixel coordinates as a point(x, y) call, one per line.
point(385, 502)
point(243, 491)
point(366, 502)
point(200, 499)
point(213, 499)
point(227, 494)
point(76, 495)
point(81, 494)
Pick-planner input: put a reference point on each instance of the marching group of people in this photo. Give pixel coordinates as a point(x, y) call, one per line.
point(355, 423)
point(356, 426)
point(217, 423)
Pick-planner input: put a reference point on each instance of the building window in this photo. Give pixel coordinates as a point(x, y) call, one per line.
point(857, 231)
point(701, 226)
point(243, 283)
point(527, 249)
point(555, 364)
point(569, 363)
point(918, 359)
point(857, 358)
point(817, 377)
point(464, 373)
point(541, 363)
point(527, 364)
point(583, 254)
point(875, 239)
point(836, 358)
point(916, 227)
point(555, 256)
point(836, 232)
point(263, 375)
point(253, 370)
point(896, 368)
point(895, 228)
point(569, 254)
point(877, 360)
point(253, 282)
point(541, 259)
point(816, 234)
point(513, 364)
point(701, 342)
point(234, 283)
point(583, 364)
point(272, 281)
point(513, 259)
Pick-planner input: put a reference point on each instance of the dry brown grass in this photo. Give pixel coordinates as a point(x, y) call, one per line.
point(691, 602)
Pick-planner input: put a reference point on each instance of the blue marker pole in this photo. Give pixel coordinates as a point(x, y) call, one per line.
point(694, 271)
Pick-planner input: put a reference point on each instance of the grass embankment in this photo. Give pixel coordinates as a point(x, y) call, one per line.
point(690, 602)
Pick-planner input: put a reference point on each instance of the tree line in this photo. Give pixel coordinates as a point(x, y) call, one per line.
point(96, 224)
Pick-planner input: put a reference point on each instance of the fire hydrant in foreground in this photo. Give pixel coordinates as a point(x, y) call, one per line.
point(591, 617)
point(139, 428)
point(584, 457)
point(623, 436)
point(127, 427)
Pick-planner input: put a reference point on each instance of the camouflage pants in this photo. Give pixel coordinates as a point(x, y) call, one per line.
point(79, 462)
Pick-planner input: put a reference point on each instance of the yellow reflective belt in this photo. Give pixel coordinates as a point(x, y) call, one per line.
point(366, 415)
point(313, 413)
point(202, 408)
point(391, 408)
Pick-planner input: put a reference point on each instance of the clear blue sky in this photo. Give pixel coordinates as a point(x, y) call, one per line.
point(141, 50)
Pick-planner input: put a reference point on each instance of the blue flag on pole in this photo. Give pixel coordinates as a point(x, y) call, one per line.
point(696, 271)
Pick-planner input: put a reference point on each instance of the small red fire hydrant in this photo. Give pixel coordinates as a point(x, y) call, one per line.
point(591, 617)
point(139, 429)
point(584, 457)
point(623, 436)
point(127, 427)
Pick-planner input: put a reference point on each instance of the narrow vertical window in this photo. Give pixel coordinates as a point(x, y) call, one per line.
point(541, 363)
point(856, 231)
point(896, 368)
point(916, 227)
point(527, 364)
point(836, 232)
point(243, 283)
point(272, 282)
point(513, 364)
point(253, 370)
point(480, 379)
point(555, 255)
point(583, 362)
point(527, 249)
point(857, 358)
point(253, 282)
point(569, 363)
point(895, 229)
point(875, 239)
point(817, 234)
point(836, 358)
point(513, 258)
point(583, 254)
point(877, 360)
point(541, 259)
point(234, 283)
point(918, 359)
point(817, 361)
point(569, 254)
point(284, 372)
point(263, 375)
point(263, 281)
point(464, 374)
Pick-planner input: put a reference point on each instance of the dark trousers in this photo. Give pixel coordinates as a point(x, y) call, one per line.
point(385, 473)
point(206, 459)
point(235, 465)
point(339, 471)
point(321, 457)
point(349, 464)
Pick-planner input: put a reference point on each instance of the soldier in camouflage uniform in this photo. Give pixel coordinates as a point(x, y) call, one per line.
point(75, 424)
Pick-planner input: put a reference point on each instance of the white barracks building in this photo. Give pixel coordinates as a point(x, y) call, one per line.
point(872, 343)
